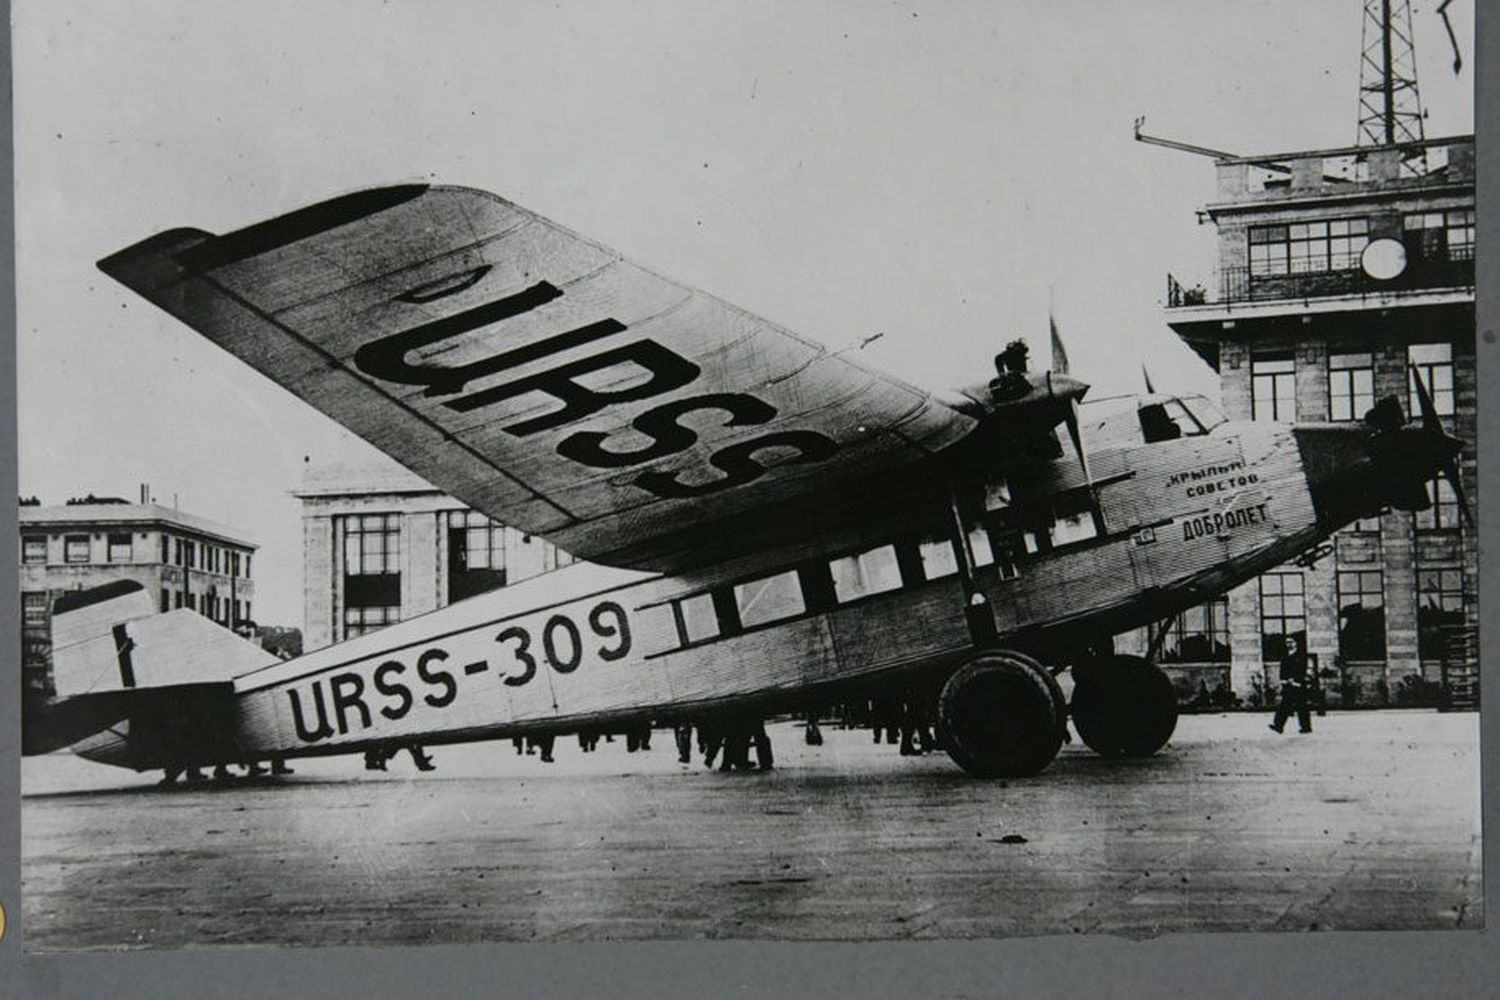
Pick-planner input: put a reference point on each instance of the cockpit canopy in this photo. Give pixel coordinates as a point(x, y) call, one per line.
point(1116, 421)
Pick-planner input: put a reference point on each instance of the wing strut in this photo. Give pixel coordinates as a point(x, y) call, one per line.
point(977, 613)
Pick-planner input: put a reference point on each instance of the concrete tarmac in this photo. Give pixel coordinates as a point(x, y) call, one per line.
point(1371, 822)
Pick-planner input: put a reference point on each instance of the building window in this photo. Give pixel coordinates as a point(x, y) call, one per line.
point(190, 554)
point(476, 554)
point(1273, 387)
point(555, 558)
point(34, 550)
point(1442, 512)
point(480, 542)
point(1351, 385)
point(76, 548)
point(234, 564)
point(247, 565)
point(166, 600)
point(1434, 365)
point(359, 621)
point(1440, 604)
point(34, 612)
point(873, 572)
point(1441, 235)
point(1283, 614)
point(1199, 635)
point(119, 548)
point(770, 599)
point(372, 544)
point(1307, 247)
point(1361, 614)
point(372, 571)
point(166, 551)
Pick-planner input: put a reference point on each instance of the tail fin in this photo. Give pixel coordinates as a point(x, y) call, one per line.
point(110, 638)
point(161, 683)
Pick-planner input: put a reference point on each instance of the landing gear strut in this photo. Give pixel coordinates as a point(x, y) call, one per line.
point(1002, 715)
point(1123, 706)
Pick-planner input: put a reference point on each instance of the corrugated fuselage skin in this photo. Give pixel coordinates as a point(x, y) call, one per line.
point(591, 646)
point(588, 646)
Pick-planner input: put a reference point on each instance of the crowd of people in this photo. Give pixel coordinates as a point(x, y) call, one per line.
point(730, 741)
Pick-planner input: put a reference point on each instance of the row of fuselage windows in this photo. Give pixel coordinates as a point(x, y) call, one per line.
point(825, 584)
point(1331, 245)
point(120, 548)
point(1351, 383)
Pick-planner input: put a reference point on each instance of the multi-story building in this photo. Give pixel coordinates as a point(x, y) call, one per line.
point(1340, 274)
point(381, 545)
point(183, 561)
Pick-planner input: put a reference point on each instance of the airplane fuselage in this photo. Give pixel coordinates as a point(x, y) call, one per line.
point(596, 647)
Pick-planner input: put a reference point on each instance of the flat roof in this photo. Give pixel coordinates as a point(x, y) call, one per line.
point(104, 515)
point(356, 478)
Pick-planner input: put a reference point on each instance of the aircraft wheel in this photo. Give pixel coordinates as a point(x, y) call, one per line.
point(1123, 707)
point(1000, 717)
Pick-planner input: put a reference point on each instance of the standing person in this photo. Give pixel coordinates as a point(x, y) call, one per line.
point(763, 758)
point(683, 734)
point(1294, 692)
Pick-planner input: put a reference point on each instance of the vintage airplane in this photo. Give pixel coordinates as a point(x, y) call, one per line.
point(767, 524)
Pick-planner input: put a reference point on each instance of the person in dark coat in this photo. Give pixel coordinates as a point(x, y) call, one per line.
point(1294, 688)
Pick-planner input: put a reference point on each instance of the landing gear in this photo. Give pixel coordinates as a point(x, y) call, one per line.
point(1002, 715)
point(1123, 706)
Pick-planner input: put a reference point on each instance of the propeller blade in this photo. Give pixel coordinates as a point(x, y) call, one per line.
point(1076, 434)
point(1430, 419)
point(1450, 473)
point(1146, 374)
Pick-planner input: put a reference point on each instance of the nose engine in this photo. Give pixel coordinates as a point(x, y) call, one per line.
point(1355, 471)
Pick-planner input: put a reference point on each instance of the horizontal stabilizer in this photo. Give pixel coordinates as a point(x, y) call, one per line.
point(109, 639)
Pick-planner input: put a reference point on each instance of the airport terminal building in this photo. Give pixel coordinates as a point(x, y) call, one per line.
point(1339, 272)
point(381, 545)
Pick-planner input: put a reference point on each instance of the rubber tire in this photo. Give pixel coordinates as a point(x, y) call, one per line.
point(1000, 717)
point(1124, 707)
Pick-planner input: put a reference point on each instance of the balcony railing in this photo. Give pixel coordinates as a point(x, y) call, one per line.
point(1238, 284)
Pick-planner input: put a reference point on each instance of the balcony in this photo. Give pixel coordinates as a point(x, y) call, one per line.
point(1239, 285)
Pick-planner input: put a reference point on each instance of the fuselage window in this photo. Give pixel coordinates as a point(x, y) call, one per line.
point(938, 559)
point(872, 572)
point(697, 619)
point(1073, 519)
point(770, 599)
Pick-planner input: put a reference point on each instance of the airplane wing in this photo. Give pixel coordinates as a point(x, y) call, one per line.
point(533, 374)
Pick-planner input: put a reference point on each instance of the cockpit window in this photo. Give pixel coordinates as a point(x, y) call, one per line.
point(1171, 418)
point(1205, 411)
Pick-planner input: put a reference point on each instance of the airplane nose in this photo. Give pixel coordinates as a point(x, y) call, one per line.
point(1354, 472)
point(1341, 473)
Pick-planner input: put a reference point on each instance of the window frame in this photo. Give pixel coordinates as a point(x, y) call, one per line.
point(1280, 594)
point(68, 549)
point(1365, 583)
point(26, 555)
point(1274, 376)
point(1358, 399)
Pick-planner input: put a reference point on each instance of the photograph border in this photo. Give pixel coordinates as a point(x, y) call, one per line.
point(1352, 964)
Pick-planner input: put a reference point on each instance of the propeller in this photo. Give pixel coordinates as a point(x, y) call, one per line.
point(1075, 434)
point(1146, 375)
point(1433, 424)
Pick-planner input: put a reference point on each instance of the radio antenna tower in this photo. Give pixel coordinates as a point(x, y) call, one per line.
point(1390, 109)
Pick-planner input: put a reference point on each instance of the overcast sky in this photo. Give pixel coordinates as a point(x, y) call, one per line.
point(926, 171)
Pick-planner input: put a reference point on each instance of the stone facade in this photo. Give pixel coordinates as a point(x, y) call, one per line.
point(1313, 309)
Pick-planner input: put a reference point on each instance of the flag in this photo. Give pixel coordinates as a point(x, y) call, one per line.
point(1059, 353)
